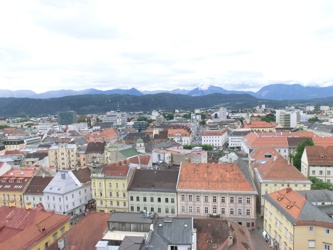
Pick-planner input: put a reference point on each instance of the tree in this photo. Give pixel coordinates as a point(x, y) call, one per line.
point(299, 152)
point(314, 119)
point(203, 122)
point(142, 118)
point(81, 119)
point(318, 184)
point(269, 118)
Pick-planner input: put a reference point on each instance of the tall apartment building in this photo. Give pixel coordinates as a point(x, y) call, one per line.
point(66, 117)
point(109, 187)
point(288, 119)
point(63, 156)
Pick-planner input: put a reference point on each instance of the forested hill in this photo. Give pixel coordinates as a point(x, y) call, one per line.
point(88, 104)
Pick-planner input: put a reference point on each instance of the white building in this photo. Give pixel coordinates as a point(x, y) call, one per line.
point(69, 192)
point(215, 138)
point(288, 119)
point(235, 138)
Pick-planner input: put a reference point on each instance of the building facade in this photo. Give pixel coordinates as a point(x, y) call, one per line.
point(292, 222)
point(63, 156)
point(216, 190)
point(68, 192)
point(153, 191)
point(109, 187)
point(215, 138)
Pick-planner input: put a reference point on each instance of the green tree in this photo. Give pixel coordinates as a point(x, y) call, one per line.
point(203, 122)
point(81, 119)
point(318, 184)
point(142, 118)
point(207, 147)
point(4, 126)
point(314, 119)
point(299, 152)
point(269, 118)
point(169, 117)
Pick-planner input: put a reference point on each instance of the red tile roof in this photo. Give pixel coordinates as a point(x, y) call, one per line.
point(319, 155)
point(174, 132)
point(210, 176)
point(278, 169)
point(290, 201)
point(260, 124)
point(87, 232)
point(139, 159)
point(115, 169)
point(20, 227)
point(214, 132)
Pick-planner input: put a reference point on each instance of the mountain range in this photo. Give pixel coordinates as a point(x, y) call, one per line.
point(270, 92)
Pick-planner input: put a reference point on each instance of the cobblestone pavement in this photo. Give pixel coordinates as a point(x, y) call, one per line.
point(257, 238)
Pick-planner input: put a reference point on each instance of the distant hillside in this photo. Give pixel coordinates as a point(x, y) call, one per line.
point(66, 92)
point(88, 104)
point(293, 92)
point(269, 92)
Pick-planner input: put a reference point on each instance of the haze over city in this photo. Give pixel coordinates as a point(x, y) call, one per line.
point(154, 45)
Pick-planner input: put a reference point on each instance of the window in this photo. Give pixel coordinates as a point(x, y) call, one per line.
point(138, 209)
point(137, 198)
point(240, 199)
point(132, 208)
point(328, 172)
point(214, 199)
point(313, 172)
point(248, 212)
point(124, 195)
point(116, 185)
point(311, 229)
point(223, 199)
point(214, 210)
point(55, 236)
point(159, 199)
point(190, 197)
point(117, 194)
point(197, 198)
point(327, 231)
point(232, 211)
point(159, 210)
point(190, 209)
point(182, 197)
point(172, 200)
point(198, 210)
point(166, 210)
point(144, 199)
point(117, 203)
point(206, 210)
point(166, 200)
point(232, 199)
point(248, 200)
point(124, 203)
point(183, 209)
point(172, 210)
point(110, 185)
point(131, 198)
point(327, 246)
point(222, 210)
point(206, 198)
point(239, 211)
point(320, 172)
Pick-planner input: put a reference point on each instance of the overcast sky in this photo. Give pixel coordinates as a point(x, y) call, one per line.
point(151, 45)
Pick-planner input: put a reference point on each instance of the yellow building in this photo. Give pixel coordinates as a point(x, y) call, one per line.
point(13, 185)
point(63, 156)
point(33, 229)
point(292, 222)
point(275, 174)
point(109, 187)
